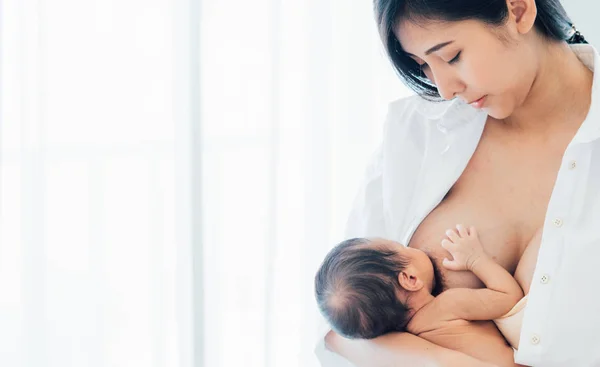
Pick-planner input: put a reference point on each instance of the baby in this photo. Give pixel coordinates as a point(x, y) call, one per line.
point(368, 287)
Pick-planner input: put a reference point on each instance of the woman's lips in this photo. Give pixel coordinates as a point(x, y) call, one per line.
point(478, 103)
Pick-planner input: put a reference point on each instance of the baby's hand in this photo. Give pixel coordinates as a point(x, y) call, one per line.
point(465, 248)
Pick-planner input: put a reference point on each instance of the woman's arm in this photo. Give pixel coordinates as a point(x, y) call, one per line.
point(398, 350)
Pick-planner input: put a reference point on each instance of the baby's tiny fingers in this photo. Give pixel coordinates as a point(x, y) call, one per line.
point(452, 235)
point(472, 231)
point(462, 230)
point(450, 265)
point(446, 244)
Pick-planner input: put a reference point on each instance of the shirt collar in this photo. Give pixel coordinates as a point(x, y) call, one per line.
point(450, 114)
point(590, 129)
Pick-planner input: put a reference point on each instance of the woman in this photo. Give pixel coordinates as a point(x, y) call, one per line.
point(515, 149)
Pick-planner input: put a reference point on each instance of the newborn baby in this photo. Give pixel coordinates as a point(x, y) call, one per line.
point(368, 287)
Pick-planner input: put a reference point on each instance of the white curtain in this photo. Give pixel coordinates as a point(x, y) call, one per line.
point(173, 172)
point(95, 226)
point(293, 99)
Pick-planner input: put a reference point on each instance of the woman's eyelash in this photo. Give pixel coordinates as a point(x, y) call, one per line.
point(455, 59)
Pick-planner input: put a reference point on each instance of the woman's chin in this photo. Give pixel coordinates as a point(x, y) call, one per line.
point(498, 113)
point(500, 108)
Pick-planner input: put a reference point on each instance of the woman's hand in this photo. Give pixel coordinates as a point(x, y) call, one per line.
point(398, 350)
point(464, 246)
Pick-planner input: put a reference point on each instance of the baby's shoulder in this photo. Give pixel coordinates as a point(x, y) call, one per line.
point(433, 317)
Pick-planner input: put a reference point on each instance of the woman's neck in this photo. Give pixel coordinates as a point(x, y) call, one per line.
point(560, 94)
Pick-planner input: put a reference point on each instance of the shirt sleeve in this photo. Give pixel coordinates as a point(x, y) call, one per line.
point(383, 188)
point(326, 357)
point(366, 217)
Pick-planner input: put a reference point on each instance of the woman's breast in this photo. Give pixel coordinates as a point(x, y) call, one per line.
point(503, 193)
point(499, 234)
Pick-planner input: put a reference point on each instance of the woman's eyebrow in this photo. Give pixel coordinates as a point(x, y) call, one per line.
point(434, 48)
point(437, 47)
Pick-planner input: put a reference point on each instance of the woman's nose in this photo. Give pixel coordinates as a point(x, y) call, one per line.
point(448, 85)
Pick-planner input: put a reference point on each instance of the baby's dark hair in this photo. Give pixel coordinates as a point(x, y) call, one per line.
point(356, 289)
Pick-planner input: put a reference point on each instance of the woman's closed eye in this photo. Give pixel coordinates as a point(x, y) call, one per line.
point(455, 59)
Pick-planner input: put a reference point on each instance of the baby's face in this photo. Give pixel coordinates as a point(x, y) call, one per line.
point(419, 261)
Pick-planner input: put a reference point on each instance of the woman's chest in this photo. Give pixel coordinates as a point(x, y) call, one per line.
point(504, 193)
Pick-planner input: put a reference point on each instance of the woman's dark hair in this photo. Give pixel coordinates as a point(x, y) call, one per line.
point(356, 289)
point(552, 21)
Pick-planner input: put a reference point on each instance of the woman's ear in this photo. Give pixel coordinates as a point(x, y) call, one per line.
point(409, 281)
point(523, 13)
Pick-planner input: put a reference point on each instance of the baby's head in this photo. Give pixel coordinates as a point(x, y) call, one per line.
point(364, 286)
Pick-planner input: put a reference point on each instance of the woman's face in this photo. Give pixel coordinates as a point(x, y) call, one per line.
point(491, 68)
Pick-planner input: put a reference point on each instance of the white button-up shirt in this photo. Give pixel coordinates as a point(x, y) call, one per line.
point(425, 149)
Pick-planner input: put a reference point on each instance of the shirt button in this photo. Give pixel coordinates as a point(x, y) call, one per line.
point(545, 279)
point(558, 222)
point(573, 165)
point(535, 340)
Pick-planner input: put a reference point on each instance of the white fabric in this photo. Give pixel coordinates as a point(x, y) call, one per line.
point(95, 232)
point(425, 149)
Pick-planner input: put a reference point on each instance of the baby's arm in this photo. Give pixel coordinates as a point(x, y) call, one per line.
point(502, 291)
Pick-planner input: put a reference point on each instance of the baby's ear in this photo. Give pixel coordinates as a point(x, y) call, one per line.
point(409, 281)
